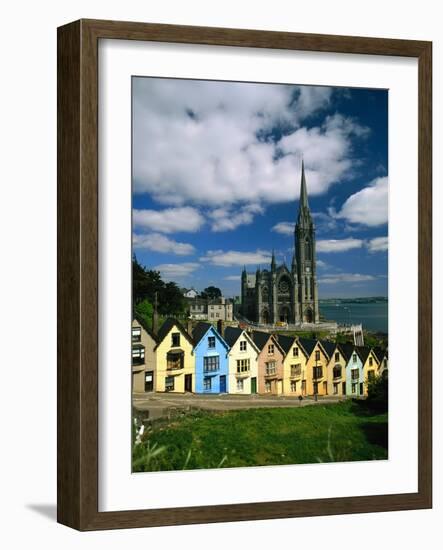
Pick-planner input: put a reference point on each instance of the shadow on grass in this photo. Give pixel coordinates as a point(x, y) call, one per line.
point(376, 433)
point(365, 407)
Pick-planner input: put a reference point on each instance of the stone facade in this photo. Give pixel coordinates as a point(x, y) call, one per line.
point(283, 294)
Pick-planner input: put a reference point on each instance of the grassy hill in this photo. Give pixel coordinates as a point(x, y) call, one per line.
point(337, 432)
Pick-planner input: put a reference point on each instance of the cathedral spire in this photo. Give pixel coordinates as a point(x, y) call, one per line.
point(304, 213)
point(273, 264)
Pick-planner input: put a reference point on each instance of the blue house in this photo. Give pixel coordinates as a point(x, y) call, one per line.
point(211, 360)
point(354, 372)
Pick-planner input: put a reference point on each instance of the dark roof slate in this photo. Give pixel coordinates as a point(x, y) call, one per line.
point(199, 331)
point(232, 334)
point(308, 344)
point(285, 342)
point(260, 338)
point(167, 326)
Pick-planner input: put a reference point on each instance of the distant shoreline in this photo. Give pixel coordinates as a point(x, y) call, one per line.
point(366, 300)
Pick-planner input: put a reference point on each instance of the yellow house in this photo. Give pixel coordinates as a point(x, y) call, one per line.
point(382, 355)
point(175, 370)
point(143, 357)
point(316, 366)
point(337, 369)
point(371, 365)
point(294, 366)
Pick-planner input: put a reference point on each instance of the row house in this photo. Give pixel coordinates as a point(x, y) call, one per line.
point(175, 360)
point(233, 360)
point(242, 359)
point(269, 363)
point(294, 366)
point(143, 356)
point(211, 360)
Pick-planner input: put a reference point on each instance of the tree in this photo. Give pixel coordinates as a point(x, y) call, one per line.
point(211, 293)
point(146, 284)
point(144, 309)
point(378, 393)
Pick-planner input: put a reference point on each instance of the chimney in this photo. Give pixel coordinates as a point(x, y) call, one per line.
point(221, 327)
point(189, 327)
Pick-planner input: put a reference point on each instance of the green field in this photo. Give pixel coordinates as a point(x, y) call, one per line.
point(262, 437)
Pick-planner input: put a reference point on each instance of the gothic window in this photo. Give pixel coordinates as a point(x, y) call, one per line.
point(307, 250)
point(265, 293)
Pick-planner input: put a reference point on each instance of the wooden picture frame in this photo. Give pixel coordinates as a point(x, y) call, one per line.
point(77, 480)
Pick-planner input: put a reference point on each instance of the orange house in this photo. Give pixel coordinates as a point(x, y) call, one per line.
point(270, 363)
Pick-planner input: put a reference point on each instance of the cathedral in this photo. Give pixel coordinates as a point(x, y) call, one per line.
point(283, 294)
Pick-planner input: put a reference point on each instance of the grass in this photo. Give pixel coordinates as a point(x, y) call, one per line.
point(261, 437)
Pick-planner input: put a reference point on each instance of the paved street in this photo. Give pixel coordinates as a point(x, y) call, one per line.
point(158, 404)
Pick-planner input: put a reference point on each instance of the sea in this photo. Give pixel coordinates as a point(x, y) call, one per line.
point(372, 315)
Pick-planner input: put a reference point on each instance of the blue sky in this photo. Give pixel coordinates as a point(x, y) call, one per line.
point(216, 180)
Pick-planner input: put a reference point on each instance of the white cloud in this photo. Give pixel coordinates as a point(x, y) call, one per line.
point(226, 219)
point(196, 142)
point(169, 220)
point(170, 271)
point(346, 278)
point(368, 206)
point(236, 258)
point(284, 228)
point(339, 245)
point(232, 278)
point(160, 243)
point(379, 244)
point(321, 264)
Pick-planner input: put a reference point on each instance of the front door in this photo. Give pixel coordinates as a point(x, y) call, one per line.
point(361, 388)
point(188, 382)
point(343, 388)
point(222, 383)
point(325, 388)
point(254, 385)
point(149, 381)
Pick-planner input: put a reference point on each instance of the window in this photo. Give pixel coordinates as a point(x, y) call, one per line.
point(175, 339)
point(207, 383)
point(169, 383)
point(335, 388)
point(354, 358)
point(354, 374)
point(317, 372)
point(354, 388)
point(370, 361)
point(211, 341)
point(317, 355)
point(240, 384)
point(136, 334)
point(217, 315)
point(211, 363)
point(336, 372)
point(270, 368)
point(138, 355)
point(296, 370)
point(243, 345)
point(337, 356)
point(271, 349)
point(293, 386)
point(267, 386)
point(295, 352)
point(243, 365)
point(175, 360)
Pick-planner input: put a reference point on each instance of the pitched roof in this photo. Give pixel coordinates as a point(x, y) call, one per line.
point(328, 346)
point(199, 331)
point(346, 350)
point(260, 338)
point(285, 342)
point(169, 323)
point(144, 325)
point(362, 352)
point(232, 334)
point(308, 344)
point(380, 353)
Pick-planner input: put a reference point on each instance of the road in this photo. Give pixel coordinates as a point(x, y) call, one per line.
point(158, 404)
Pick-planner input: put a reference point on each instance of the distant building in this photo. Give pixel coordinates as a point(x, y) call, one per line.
point(202, 309)
point(191, 293)
point(281, 293)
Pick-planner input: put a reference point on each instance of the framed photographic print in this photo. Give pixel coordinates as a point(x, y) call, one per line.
point(244, 280)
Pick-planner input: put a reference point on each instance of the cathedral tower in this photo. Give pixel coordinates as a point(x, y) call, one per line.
point(304, 236)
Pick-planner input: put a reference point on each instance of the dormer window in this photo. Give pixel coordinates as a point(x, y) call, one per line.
point(175, 339)
point(211, 341)
point(271, 349)
point(243, 345)
point(295, 352)
point(136, 334)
